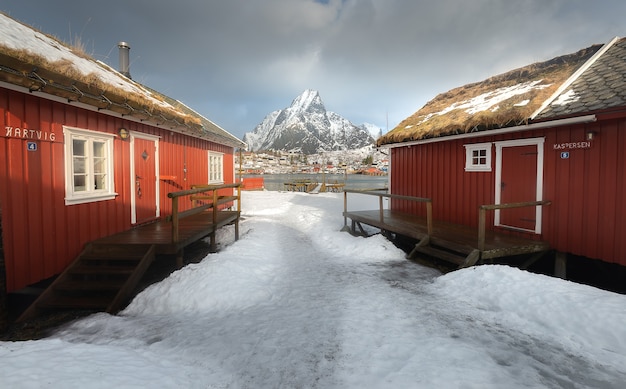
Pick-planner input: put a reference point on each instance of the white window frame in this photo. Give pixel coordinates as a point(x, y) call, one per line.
point(470, 159)
point(88, 195)
point(216, 167)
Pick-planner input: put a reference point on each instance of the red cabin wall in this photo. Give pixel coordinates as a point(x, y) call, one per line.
point(41, 235)
point(587, 216)
point(436, 171)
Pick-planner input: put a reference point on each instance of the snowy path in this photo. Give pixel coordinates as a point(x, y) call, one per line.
point(296, 304)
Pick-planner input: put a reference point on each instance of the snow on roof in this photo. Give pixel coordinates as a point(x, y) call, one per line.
point(41, 63)
point(19, 37)
point(488, 100)
point(501, 101)
point(566, 98)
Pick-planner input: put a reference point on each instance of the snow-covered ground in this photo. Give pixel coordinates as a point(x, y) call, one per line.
point(297, 304)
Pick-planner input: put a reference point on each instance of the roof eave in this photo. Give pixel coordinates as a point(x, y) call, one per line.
point(508, 130)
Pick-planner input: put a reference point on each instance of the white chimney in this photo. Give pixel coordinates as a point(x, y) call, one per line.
point(124, 54)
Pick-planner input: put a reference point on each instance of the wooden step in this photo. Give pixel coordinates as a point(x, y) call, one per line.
point(111, 258)
point(75, 302)
point(94, 283)
point(451, 246)
point(118, 250)
point(104, 270)
point(444, 255)
point(107, 286)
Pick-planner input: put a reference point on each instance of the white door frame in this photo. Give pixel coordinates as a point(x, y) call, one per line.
point(133, 189)
point(539, 142)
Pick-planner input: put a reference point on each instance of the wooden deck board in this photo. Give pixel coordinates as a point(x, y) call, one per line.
point(462, 238)
point(191, 229)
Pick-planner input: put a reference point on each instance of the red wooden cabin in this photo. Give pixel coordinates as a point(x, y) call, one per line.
point(552, 131)
point(86, 152)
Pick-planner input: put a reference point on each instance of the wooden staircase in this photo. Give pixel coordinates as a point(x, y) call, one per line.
point(101, 278)
point(460, 255)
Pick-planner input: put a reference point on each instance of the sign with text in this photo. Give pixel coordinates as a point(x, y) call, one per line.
point(28, 134)
point(572, 145)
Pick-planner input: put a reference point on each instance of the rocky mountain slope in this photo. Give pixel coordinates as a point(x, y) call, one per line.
point(307, 127)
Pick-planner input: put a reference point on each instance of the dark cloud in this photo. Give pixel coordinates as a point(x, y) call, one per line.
point(373, 61)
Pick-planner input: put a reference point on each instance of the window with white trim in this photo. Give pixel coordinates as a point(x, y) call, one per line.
point(216, 168)
point(478, 157)
point(88, 166)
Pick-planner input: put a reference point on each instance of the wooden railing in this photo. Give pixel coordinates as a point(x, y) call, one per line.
point(482, 216)
point(428, 202)
point(199, 193)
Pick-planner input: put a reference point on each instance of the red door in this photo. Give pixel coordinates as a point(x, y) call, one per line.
point(519, 184)
point(145, 180)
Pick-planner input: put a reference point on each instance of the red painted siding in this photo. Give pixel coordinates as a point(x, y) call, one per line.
point(587, 216)
point(41, 235)
point(436, 171)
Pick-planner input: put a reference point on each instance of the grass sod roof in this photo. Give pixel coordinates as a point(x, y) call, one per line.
point(22, 68)
point(25, 67)
point(504, 100)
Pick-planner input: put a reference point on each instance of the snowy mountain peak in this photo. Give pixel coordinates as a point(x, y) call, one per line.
point(306, 127)
point(309, 100)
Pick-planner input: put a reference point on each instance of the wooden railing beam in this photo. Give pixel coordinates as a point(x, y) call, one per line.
point(176, 214)
point(482, 216)
point(429, 205)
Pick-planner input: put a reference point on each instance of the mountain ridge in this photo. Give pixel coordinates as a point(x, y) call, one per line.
point(307, 127)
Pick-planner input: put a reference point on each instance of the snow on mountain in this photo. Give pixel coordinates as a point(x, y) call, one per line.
point(307, 127)
point(373, 129)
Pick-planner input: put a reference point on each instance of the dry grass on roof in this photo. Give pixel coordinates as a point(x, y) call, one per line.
point(439, 118)
point(68, 75)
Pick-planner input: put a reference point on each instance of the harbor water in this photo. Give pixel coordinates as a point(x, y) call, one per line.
point(276, 182)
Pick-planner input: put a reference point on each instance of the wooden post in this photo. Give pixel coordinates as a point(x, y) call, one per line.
point(380, 207)
point(215, 207)
point(482, 220)
point(180, 257)
point(174, 219)
point(213, 242)
point(239, 199)
point(345, 209)
point(238, 211)
point(560, 265)
point(429, 218)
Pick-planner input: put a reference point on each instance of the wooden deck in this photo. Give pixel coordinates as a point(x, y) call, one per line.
point(458, 244)
point(190, 229)
point(105, 274)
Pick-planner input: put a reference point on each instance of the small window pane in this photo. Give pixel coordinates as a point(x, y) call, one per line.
point(98, 149)
point(79, 165)
point(78, 147)
point(479, 157)
point(100, 182)
point(79, 183)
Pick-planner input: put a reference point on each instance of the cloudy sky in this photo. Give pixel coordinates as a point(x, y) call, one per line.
point(372, 61)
